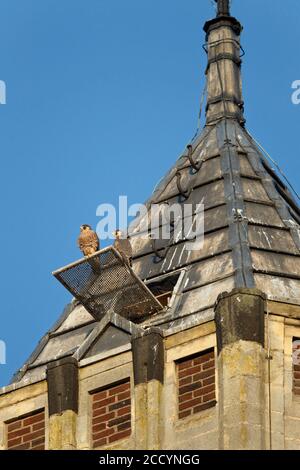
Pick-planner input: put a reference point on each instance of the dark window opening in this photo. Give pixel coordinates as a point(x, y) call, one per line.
point(163, 288)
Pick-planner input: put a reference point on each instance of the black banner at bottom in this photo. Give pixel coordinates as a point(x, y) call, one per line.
point(134, 459)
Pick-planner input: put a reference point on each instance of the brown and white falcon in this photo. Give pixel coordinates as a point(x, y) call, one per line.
point(123, 246)
point(88, 240)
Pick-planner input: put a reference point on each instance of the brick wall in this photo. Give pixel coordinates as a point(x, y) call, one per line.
point(296, 366)
point(27, 433)
point(196, 383)
point(111, 414)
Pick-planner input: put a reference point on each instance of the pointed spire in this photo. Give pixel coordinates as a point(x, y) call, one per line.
point(223, 7)
point(224, 88)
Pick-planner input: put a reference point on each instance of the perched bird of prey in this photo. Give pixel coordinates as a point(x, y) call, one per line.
point(123, 246)
point(88, 240)
point(89, 244)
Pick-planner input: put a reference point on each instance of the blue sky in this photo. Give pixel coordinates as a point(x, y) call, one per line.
point(102, 97)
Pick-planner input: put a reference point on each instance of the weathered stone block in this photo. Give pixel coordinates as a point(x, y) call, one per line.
point(240, 316)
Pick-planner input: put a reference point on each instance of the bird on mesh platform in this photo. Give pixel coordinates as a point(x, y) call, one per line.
point(88, 240)
point(89, 244)
point(123, 246)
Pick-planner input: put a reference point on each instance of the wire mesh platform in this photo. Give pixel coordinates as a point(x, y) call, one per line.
point(103, 282)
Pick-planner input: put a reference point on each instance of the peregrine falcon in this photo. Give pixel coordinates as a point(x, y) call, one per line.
point(88, 240)
point(123, 246)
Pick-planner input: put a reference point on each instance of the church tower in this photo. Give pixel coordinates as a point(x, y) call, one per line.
point(213, 364)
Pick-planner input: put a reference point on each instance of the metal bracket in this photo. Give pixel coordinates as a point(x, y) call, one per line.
point(161, 255)
point(238, 215)
point(185, 193)
point(194, 165)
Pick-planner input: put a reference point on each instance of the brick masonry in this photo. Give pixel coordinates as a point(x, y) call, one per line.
point(27, 433)
point(196, 383)
point(111, 414)
point(296, 366)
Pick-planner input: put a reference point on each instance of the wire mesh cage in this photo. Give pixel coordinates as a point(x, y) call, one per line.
point(104, 281)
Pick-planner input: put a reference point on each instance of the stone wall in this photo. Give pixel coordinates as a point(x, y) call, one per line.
point(154, 407)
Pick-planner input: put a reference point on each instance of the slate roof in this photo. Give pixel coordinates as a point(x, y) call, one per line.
point(252, 239)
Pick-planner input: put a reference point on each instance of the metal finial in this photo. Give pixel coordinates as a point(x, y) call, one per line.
point(223, 7)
